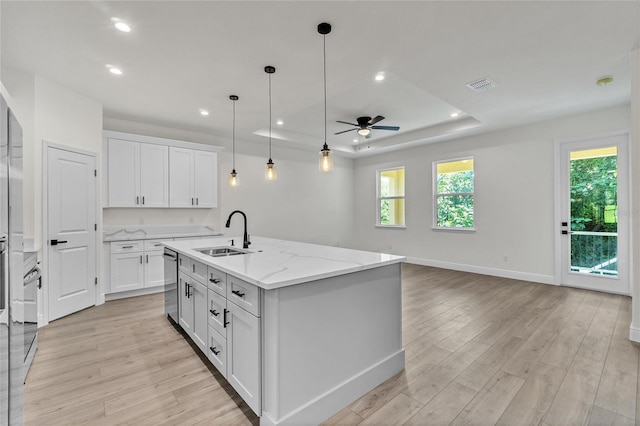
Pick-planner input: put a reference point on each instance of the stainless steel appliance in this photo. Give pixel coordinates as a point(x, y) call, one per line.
point(11, 279)
point(171, 284)
point(32, 282)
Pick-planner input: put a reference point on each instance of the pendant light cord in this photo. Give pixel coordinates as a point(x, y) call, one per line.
point(269, 117)
point(233, 133)
point(324, 61)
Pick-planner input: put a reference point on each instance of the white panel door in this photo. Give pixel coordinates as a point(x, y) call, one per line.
point(153, 269)
point(124, 173)
point(71, 219)
point(243, 354)
point(181, 177)
point(205, 181)
point(154, 175)
point(127, 271)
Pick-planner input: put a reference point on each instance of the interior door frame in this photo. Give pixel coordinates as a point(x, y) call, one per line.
point(559, 143)
point(99, 296)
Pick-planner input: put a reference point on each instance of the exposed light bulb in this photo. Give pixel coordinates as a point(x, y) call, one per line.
point(271, 171)
point(233, 179)
point(326, 162)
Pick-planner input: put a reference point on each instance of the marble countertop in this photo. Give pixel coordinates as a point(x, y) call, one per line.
point(273, 263)
point(120, 233)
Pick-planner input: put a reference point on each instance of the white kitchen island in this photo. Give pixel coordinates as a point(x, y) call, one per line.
point(299, 330)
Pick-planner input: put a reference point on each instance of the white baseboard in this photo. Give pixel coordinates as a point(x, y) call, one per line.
point(634, 334)
point(342, 395)
point(133, 293)
point(504, 273)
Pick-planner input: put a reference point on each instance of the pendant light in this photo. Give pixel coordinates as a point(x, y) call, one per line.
point(270, 174)
point(326, 162)
point(233, 176)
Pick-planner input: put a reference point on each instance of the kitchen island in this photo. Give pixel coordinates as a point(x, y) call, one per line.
point(299, 330)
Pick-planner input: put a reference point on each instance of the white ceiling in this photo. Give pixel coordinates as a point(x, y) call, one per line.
point(180, 56)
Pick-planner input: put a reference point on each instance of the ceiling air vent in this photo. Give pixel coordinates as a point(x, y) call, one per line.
point(481, 85)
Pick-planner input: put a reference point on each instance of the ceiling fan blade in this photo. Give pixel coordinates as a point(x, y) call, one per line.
point(375, 120)
point(345, 131)
point(344, 122)
point(394, 128)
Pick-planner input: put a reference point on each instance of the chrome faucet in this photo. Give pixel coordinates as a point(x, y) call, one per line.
point(245, 237)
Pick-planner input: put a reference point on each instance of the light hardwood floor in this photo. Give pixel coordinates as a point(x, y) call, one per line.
point(480, 350)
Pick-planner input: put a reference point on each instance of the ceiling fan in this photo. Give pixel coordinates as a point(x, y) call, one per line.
point(366, 124)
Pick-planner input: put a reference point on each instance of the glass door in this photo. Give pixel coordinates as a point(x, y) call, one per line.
point(594, 224)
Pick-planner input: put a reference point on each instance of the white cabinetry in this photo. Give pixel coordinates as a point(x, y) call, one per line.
point(230, 317)
point(138, 174)
point(193, 178)
point(136, 264)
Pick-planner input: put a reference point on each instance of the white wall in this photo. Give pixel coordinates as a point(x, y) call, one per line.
point(302, 205)
point(514, 199)
point(634, 331)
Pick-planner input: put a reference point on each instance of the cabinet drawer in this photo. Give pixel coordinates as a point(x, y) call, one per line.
point(217, 281)
point(243, 294)
point(199, 271)
point(155, 245)
point(217, 351)
point(216, 311)
point(126, 246)
point(184, 264)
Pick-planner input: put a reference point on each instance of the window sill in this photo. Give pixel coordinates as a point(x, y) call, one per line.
point(463, 230)
point(391, 226)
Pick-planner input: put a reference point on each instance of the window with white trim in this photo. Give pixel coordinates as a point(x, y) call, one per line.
point(453, 194)
point(390, 199)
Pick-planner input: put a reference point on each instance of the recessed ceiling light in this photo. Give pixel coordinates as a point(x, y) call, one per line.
point(121, 25)
point(279, 122)
point(114, 70)
point(455, 114)
point(379, 76)
point(604, 81)
point(204, 112)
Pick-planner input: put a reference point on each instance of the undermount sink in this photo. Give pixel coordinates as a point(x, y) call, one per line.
point(221, 251)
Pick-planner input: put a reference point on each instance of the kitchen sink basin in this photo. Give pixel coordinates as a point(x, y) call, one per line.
point(221, 251)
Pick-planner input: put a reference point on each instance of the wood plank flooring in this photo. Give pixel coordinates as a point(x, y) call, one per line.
point(480, 350)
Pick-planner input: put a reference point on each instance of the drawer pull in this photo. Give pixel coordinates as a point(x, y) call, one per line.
point(215, 280)
point(124, 247)
point(213, 349)
point(237, 293)
point(214, 312)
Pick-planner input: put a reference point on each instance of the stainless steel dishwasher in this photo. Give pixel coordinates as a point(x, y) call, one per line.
point(171, 284)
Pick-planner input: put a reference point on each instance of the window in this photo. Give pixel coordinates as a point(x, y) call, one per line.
point(391, 197)
point(453, 194)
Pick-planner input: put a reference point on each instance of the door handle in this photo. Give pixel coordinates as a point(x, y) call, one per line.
point(56, 242)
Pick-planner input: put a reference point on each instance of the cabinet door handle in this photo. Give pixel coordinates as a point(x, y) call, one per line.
point(215, 280)
point(224, 318)
point(214, 312)
point(194, 267)
point(191, 201)
point(141, 259)
point(196, 201)
point(186, 292)
point(213, 349)
point(237, 293)
point(143, 199)
point(189, 294)
point(137, 200)
point(147, 258)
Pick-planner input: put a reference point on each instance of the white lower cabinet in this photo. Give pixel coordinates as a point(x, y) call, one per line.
point(229, 334)
point(135, 265)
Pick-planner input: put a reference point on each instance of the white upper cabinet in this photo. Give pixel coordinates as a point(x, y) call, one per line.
point(154, 175)
point(138, 174)
point(145, 171)
point(124, 173)
point(193, 178)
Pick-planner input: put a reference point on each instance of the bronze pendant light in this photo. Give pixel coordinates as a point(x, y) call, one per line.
point(326, 162)
point(270, 174)
point(233, 176)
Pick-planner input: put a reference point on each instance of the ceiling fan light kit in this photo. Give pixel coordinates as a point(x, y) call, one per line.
point(365, 125)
